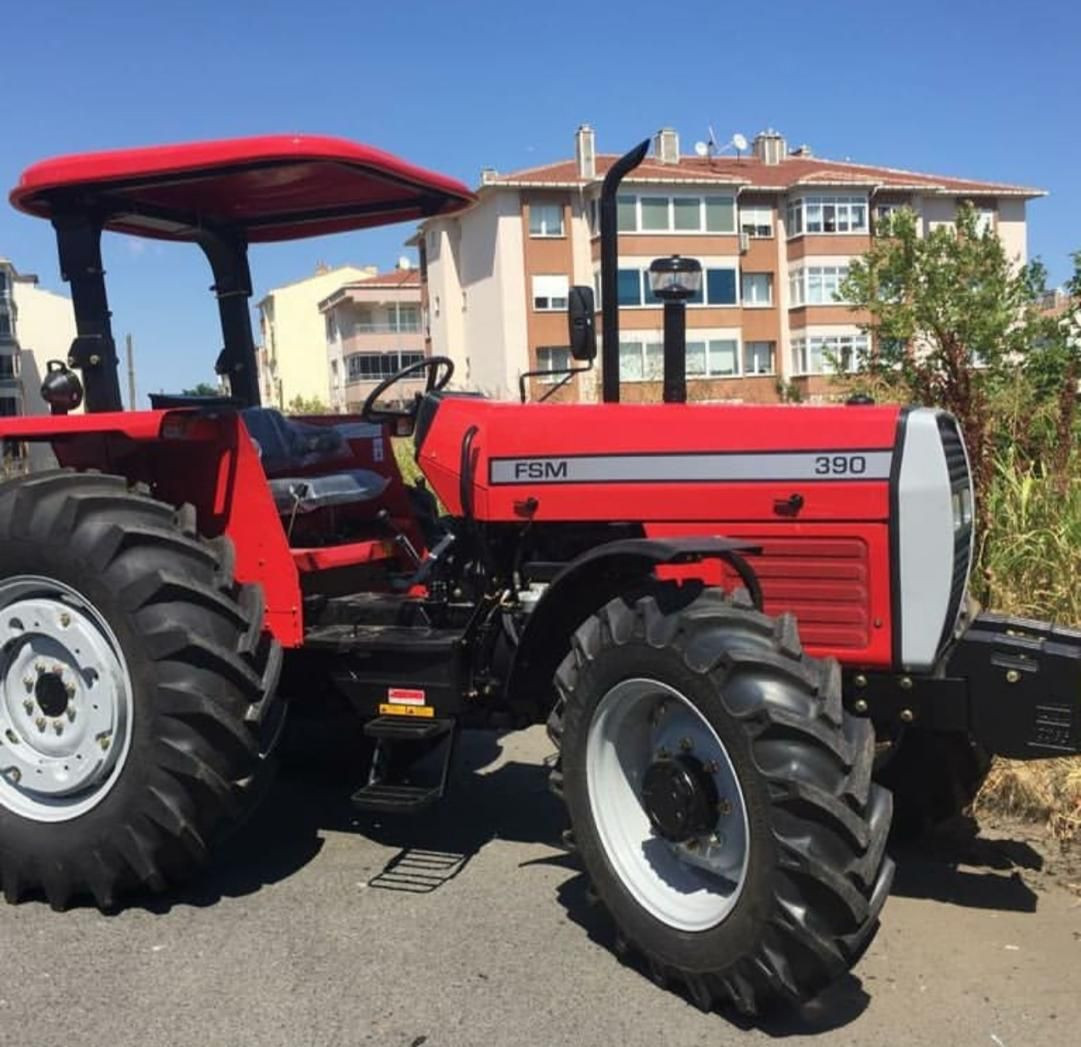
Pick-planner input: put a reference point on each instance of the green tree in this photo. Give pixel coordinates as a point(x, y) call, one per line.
point(307, 405)
point(202, 389)
point(952, 319)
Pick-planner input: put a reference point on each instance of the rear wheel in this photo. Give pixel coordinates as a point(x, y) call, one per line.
point(137, 685)
point(721, 799)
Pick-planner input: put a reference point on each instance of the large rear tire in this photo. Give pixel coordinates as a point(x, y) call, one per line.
point(137, 690)
point(721, 799)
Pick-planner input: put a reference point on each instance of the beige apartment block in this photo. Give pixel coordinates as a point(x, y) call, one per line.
point(36, 326)
point(774, 229)
point(292, 354)
point(372, 330)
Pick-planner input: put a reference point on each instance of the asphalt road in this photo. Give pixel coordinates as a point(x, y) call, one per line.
point(472, 927)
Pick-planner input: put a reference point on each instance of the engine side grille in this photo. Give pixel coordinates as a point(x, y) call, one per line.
point(957, 467)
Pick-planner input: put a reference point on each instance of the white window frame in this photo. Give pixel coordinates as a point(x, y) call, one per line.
point(647, 340)
point(552, 364)
point(748, 347)
point(753, 217)
point(553, 289)
point(803, 345)
point(749, 301)
point(707, 263)
point(543, 232)
point(669, 229)
point(801, 276)
point(801, 204)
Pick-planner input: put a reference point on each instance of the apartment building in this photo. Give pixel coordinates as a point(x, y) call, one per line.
point(292, 353)
point(36, 326)
point(774, 230)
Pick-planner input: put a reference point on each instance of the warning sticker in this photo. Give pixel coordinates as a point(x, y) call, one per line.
point(406, 710)
point(406, 696)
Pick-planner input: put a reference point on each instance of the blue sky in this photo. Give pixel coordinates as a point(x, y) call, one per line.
point(951, 87)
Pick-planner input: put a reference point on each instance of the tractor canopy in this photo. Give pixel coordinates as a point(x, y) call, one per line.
point(273, 187)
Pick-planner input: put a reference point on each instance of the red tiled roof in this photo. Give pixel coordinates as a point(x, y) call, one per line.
point(749, 173)
point(391, 278)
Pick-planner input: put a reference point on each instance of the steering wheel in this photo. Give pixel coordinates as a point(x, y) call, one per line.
point(438, 370)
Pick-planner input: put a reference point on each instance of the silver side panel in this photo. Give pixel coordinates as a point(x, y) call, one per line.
point(925, 529)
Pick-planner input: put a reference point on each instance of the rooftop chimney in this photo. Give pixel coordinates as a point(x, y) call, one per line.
point(488, 175)
point(770, 147)
point(666, 146)
point(585, 152)
point(404, 263)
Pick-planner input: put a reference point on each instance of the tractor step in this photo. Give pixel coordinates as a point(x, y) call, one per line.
point(396, 799)
point(406, 776)
point(407, 728)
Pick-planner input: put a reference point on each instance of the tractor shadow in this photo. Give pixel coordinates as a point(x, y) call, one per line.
point(957, 865)
point(485, 800)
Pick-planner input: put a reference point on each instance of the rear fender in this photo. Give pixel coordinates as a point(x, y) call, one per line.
point(587, 583)
point(205, 459)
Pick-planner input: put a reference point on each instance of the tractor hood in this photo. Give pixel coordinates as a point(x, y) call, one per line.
point(274, 187)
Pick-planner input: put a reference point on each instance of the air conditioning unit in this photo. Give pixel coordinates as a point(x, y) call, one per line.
point(744, 242)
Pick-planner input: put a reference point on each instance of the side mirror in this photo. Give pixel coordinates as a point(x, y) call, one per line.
point(580, 316)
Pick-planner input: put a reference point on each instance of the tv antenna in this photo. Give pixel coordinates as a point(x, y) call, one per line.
point(709, 147)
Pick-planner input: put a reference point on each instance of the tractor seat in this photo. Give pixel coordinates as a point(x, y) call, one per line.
point(305, 494)
point(287, 444)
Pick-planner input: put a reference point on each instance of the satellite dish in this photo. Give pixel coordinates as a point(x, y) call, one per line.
point(701, 149)
point(739, 141)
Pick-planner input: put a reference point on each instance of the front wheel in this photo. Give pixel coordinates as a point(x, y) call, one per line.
point(721, 799)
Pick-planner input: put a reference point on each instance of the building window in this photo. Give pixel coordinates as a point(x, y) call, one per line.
point(651, 213)
point(7, 366)
point(9, 406)
point(758, 358)
point(713, 358)
point(553, 359)
point(5, 324)
point(756, 221)
point(366, 367)
point(545, 219)
point(827, 214)
point(3, 282)
point(408, 318)
point(332, 327)
point(550, 293)
point(816, 285)
point(828, 354)
point(985, 220)
point(718, 287)
point(641, 361)
point(757, 289)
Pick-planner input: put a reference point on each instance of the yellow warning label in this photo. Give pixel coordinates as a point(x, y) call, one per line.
point(406, 710)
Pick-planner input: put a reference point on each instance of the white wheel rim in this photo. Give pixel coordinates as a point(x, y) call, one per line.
point(688, 886)
point(65, 701)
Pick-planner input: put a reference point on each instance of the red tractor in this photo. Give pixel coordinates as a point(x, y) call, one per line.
point(631, 575)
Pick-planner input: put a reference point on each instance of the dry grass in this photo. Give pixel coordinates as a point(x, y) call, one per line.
point(1030, 562)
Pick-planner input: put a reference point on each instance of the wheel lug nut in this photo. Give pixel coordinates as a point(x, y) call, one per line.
point(28, 705)
point(723, 806)
point(65, 619)
point(39, 668)
point(712, 766)
point(13, 775)
point(71, 714)
point(58, 726)
point(686, 744)
point(662, 753)
point(103, 741)
point(70, 689)
point(28, 683)
point(39, 723)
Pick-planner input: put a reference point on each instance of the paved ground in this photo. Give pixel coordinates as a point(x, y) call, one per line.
point(472, 928)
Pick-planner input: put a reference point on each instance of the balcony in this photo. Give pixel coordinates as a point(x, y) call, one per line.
point(372, 327)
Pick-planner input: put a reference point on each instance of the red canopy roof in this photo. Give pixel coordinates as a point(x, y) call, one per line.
point(274, 187)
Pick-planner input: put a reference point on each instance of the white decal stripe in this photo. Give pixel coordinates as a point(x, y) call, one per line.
point(691, 468)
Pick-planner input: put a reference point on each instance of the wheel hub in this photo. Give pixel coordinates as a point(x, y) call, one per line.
point(65, 701)
point(679, 797)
